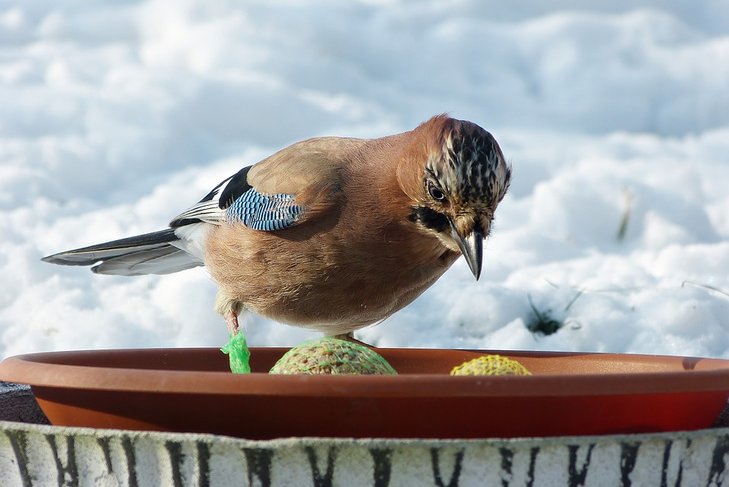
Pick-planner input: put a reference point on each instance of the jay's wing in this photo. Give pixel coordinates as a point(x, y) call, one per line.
point(291, 187)
point(288, 188)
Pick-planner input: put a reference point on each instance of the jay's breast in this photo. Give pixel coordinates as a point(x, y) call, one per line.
point(326, 284)
point(352, 294)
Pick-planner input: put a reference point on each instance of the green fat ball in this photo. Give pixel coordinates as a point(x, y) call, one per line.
point(332, 356)
point(490, 365)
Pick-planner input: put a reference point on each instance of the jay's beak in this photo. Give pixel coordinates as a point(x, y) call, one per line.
point(471, 246)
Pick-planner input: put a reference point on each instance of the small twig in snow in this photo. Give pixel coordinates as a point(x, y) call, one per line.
point(706, 286)
point(628, 206)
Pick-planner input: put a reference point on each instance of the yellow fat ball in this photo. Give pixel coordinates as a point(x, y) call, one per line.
point(490, 365)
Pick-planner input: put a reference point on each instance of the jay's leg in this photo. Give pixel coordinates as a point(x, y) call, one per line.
point(231, 320)
point(350, 338)
point(230, 308)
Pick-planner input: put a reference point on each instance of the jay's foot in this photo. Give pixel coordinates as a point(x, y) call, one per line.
point(350, 338)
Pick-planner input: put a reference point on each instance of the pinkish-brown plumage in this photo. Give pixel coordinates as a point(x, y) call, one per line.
point(354, 229)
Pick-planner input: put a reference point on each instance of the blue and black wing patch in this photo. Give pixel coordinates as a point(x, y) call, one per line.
point(264, 212)
point(234, 200)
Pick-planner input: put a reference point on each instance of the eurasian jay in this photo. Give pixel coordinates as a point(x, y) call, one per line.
point(330, 233)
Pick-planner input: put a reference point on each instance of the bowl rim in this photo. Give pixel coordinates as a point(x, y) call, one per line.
point(38, 371)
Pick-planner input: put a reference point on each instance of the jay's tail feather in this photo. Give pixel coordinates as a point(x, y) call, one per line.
point(151, 253)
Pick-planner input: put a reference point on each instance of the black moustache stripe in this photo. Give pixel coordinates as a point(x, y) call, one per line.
point(429, 218)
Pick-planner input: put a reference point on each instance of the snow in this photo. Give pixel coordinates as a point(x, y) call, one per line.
point(115, 116)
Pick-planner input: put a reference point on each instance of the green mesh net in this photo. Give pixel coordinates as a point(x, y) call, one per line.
point(238, 354)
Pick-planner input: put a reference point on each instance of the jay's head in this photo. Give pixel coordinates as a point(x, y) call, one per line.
point(461, 178)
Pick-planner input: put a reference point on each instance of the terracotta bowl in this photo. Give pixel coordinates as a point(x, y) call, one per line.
point(191, 390)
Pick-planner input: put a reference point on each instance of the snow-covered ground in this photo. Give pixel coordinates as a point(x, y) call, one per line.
point(115, 116)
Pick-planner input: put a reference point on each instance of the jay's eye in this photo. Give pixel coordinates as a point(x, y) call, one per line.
point(435, 192)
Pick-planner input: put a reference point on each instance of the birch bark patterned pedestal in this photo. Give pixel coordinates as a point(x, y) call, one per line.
point(35, 455)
